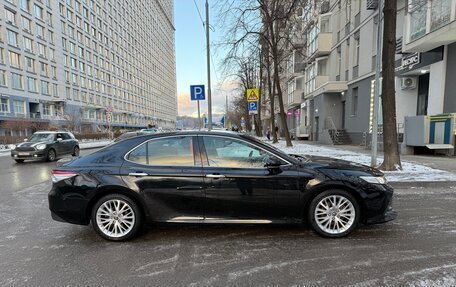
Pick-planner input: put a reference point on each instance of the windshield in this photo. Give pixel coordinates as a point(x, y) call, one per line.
point(41, 137)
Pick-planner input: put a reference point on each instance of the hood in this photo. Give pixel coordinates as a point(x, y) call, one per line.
point(321, 162)
point(30, 144)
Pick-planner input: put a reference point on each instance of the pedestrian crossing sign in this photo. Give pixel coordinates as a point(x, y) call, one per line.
point(252, 95)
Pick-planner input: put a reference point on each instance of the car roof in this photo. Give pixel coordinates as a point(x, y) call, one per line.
point(50, 132)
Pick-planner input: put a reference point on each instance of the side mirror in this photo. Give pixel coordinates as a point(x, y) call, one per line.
point(272, 162)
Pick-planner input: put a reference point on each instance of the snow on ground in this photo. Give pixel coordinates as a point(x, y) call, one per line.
point(411, 171)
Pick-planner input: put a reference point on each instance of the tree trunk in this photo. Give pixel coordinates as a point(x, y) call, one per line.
point(279, 94)
point(392, 159)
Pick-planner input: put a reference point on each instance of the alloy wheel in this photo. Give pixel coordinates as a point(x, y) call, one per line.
point(115, 218)
point(335, 214)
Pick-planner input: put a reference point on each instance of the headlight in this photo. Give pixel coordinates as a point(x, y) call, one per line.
point(12, 147)
point(374, 179)
point(41, 146)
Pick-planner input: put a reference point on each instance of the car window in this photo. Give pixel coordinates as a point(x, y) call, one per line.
point(228, 152)
point(66, 136)
point(170, 151)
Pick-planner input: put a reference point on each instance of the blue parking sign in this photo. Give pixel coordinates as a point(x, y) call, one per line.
point(253, 106)
point(197, 93)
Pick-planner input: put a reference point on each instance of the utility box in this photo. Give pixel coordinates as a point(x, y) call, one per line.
point(434, 132)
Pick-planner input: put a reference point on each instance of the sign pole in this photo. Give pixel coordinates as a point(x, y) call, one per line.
point(199, 116)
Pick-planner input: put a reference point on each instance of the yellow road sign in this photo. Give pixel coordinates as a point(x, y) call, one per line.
point(252, 95)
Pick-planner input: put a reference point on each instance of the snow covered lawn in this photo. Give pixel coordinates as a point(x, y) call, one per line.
point(411, 171)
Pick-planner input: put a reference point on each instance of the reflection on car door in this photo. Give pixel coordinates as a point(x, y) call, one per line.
point(167, 173)
point(67, 143)
point(239, 187)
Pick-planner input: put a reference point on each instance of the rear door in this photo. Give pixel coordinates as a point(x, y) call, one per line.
point(167, 173)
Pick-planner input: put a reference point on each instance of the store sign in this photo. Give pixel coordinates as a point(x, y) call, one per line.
point(409, 62)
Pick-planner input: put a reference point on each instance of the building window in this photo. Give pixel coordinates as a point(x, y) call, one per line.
point(28, 44)
point(440, 13)
point(15, 60)
point(355, 101)
point(30, 64)
point(52, 54)
point(40, 31)
point(11, 38)
point(4, 105)
point(2, 78)
point(25, 5)
point(44, 88)
point(16, 81)
point(26, 24)
point(55, 90)
point(47, 109)
point(19, 107)
point(41, 50)
point(31, 84)
point(10, 17)
point(418, 14)
point(38, 11)
point(44, 69)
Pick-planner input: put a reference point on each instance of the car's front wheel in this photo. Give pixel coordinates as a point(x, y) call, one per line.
point(116, 217)
point(334, 213)
point(51, 156)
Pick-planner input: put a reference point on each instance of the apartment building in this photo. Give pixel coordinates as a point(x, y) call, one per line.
point(336, 90)
point(90, 61)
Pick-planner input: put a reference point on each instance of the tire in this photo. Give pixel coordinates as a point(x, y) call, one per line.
point(51, 156)
point(110, 225)
point(75, 151)
point(19, 160)
point(334, 213)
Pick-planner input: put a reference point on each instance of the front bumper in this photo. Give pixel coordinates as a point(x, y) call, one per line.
point(388, 213)
point(36, 154)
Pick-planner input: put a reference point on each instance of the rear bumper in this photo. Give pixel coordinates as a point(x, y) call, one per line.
point(67, 208)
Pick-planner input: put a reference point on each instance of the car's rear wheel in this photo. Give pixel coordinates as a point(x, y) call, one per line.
point(116, 217)
point(19, 160)
point(334, 213)
point(51, 155)
point(76, 151)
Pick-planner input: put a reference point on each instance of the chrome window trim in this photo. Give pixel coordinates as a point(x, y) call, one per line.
point(247, 142)
point(164, 137)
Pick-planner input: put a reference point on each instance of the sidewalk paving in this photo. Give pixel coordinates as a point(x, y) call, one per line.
point(424, 170)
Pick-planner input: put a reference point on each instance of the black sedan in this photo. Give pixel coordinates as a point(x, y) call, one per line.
point(214, 177)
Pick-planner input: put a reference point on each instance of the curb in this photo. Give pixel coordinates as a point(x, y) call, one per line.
point(422, 184)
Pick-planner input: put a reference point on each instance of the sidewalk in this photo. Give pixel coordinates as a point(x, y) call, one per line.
point(419, 171)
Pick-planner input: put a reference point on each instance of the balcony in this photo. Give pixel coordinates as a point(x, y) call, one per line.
point(323, 47)
point(295, 99)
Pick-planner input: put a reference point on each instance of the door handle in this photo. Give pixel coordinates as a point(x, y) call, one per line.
point(138, 174)
point(215, 176)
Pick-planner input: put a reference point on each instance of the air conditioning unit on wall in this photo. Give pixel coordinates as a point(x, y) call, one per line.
point(408, 83)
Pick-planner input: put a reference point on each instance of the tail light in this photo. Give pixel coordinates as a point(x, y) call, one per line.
point(59, 175)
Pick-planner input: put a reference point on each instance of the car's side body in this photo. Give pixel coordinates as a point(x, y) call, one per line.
point(211, 194)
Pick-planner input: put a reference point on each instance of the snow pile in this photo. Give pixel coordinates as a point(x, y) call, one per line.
point(94, 144)
point(410, 171)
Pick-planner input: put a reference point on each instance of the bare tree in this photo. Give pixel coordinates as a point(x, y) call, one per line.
point(72, 119)
point(252, 22)
point(392, 159)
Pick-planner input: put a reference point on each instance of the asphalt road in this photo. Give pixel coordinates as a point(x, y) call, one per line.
point(417, 249)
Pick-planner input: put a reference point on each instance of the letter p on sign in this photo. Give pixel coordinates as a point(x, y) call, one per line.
point(197, 93)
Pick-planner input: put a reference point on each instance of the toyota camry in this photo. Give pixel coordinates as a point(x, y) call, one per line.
point(214, 177)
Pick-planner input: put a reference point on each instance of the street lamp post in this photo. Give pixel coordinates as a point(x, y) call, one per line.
point(208, 54)
point(378, 63)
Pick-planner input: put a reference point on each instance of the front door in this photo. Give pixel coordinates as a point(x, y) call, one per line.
point(239, 188)
point(167, 173)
